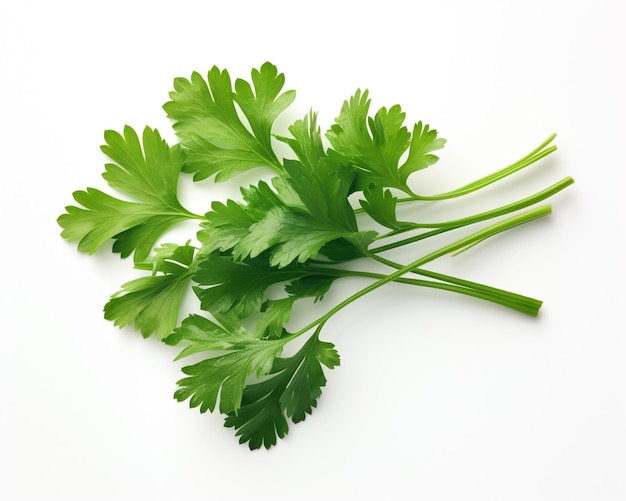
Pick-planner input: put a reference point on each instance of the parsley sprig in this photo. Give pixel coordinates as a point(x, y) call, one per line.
point(287, 239)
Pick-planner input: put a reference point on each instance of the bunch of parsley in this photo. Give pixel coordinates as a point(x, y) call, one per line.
point(285, 240)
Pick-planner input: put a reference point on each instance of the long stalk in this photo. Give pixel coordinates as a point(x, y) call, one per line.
point(490, 214)
point(529, 306)
point(472, 239)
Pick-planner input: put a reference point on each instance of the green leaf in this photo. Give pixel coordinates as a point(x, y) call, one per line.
point(151, 304)
point(275, 313)
point(306, 383)
point(149, 175)
point(215, 139)
point(228, 224)
point(287, 194)
point(225, 375)
point(260, 419)
point(324, 191)
point(323, 188)
point(390, 136)
point(263, 104)
point(349, 135)
point(168, 258)
point(306, 140)
point(225, 225)
point(291, 392)
point(290, 234)
point(141, 238)
point(375, 145)
point(198, 334)
point(340, 251)
point(380, 205)
point(226, 285)
point(315, 286)
point(423, 142)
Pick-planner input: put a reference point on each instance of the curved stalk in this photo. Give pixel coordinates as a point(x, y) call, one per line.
point(537, 154)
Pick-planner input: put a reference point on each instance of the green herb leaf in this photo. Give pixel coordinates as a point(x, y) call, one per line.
point(376, 144)
point(314, 286)
point(424, 141)
point(306, 140)
point(275, 313)
point(381, 206)
point(151, 304)
point(207, 121)
point(150, 175)
point(224, 375)
point(226, 285)
point(291, 392)
point(290, 234)
point(198, 334)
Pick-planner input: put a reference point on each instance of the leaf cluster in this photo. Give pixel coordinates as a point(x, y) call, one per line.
point(285, 240)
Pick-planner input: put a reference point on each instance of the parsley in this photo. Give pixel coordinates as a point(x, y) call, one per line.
point(286, 239)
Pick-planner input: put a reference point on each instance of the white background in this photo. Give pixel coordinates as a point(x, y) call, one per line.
point(437, 397)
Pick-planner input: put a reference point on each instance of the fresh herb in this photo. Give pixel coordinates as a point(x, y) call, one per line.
point(288, 238)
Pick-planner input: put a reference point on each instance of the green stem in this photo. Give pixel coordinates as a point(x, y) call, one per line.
point(537, 154)
point(452, 225)
point(490, 214)
point(510, 300)
point(475, 238)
